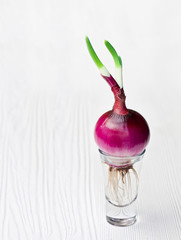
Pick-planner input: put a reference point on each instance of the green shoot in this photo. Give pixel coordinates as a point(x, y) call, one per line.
point(117, 61)
point(118, 64)
point(93, 54)
point(102, 69)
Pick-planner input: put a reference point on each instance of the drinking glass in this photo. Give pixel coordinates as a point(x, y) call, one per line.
point(121, 178)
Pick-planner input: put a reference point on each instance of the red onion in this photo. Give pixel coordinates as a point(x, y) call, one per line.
point(120, 132)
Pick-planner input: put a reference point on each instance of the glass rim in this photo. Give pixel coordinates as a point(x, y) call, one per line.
point(115, 157)
point(120, 161)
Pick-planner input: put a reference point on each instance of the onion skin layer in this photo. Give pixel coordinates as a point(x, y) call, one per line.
point(122, 135)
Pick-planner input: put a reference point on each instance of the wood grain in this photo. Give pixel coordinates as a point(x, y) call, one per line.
point(51, 182)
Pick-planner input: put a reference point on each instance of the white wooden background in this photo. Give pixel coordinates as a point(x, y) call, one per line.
point(51, 95)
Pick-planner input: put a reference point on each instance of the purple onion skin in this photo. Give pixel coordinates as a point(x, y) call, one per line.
point(122, 135)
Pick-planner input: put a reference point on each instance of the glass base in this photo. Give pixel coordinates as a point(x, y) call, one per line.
point(121, 222)
point(121, 215)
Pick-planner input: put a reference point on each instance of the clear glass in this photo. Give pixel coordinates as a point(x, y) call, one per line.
point(121, 177)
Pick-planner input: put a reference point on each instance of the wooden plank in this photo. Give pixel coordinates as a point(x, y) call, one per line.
point(51, 181)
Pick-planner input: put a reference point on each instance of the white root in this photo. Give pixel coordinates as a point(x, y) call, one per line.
point(122, 185)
